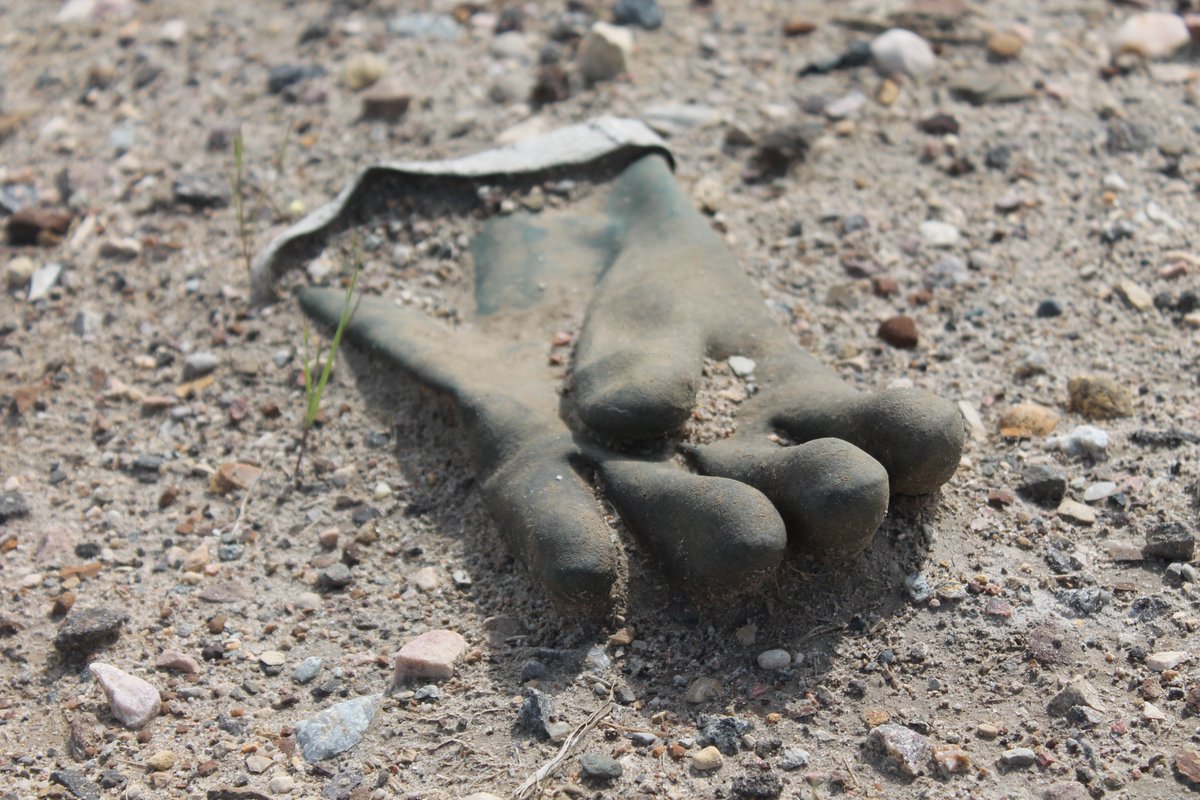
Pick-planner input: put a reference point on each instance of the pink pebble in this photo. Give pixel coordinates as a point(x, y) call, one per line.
point(133, 701)
point(430, 655)
point(177, 662)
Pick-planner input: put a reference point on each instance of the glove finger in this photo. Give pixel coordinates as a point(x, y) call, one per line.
point(714, 536)
point(831, 495)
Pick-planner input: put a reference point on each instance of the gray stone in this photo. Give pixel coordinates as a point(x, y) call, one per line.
point(1066, 790)
point(644, 13)
point(988, 86)
point(197, 365)
point(201, 191)
point(308, 669)
point(1076, 693)
point(336, 729)
point(87, 322)
point(794, 758)
point(335, 576)
point(1085, 602)
point(600, 767)
point(426, 26)
point(1018, 757)
point(918, 587)
point(774, 659)
point(1043, 484)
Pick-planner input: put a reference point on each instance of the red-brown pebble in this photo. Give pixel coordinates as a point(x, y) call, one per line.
point(899, 331)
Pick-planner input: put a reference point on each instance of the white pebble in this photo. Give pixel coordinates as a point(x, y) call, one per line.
point(902, 52)
point(1083, 440)
point(741, 366)
point(1152, 35)
point(938, 233)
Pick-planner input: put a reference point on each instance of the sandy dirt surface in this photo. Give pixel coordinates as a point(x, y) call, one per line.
point(1007, 638)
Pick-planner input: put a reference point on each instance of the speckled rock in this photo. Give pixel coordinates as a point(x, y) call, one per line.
point(336, 729)
point(908, 750)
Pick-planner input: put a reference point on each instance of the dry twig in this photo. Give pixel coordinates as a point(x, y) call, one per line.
point(533, 784)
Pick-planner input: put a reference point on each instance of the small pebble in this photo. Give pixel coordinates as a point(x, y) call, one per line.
point(1168, 659)
point(1005, 44)
point(1076, 511)
point(430, 655)
point(794, 759)
point(1049, 308)
point(600, 767)
point(1086, 441)
point(899, 331)
point(335, 576)
point(643, 13)
point(701, 690)
point(707, 760)
point(774, 659)
point(133, 701)
point(1098, 491)
point(939, 234)
point(907, 749)
point(1018, 757)
point(257, 764)
point(161, 761)
point(1170, 541)
point(537, 710)
point(902, 52)
point(604, 53)
point(1152, 35)
point(741, 366)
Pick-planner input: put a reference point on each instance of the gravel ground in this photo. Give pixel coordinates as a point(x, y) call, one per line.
point(1030, 632)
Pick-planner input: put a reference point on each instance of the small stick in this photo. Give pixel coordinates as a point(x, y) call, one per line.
point(237, 522)
point(533, 782)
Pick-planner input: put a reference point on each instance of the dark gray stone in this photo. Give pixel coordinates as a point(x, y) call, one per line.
point(1170, 541)
point(87, 630)
point(537, 711)
point(1043, 484)
point(288, 75)
point(725, 734)
point(532, 670)
point(77, 784)
point(12, 506)
point(760, 786)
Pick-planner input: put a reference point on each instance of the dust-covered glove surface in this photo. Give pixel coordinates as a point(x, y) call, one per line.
point(659, 294)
